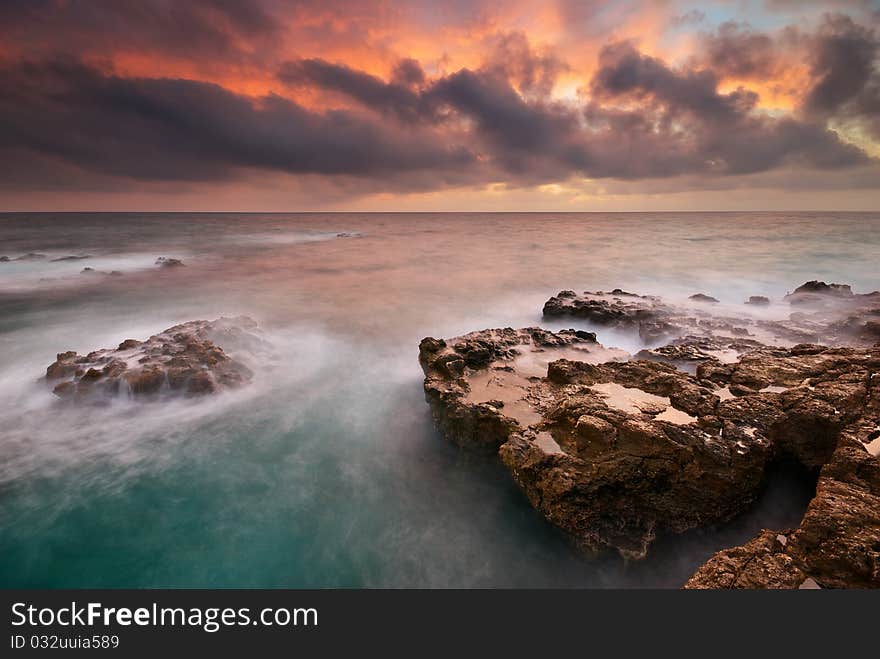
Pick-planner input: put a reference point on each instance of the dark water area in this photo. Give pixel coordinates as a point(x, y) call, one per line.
point(326, 471)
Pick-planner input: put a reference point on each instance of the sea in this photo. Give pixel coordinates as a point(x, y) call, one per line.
point(326, 471)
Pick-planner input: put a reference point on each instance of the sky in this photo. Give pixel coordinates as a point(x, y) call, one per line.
point(464, 105)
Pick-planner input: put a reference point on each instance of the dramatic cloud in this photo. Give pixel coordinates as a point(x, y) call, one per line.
point(735, 50)
point(844, 65)
point(183, 129)
point(394, 98)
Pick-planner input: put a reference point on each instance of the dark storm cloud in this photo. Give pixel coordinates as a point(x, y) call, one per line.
point(843, 58)
point(722, 132)
point(681, 124)
point(165, 129)
point(369, 90)
point(639, 117)
point(844, 66)
point(408, 73)
point(512, 132)
point(625, 72)
point(738, 51)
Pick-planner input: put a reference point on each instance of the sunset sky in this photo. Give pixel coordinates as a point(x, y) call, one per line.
point(282, 105)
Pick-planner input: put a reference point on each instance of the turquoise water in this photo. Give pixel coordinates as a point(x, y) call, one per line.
point(326, 471)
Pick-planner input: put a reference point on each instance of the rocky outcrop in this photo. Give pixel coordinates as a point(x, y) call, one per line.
point(617, 452)
point(30, 256)
point(75, 257)
point(837, 544)
point(814, 290)
point(758, 300)
point(616, 308)
point(823, 313)
point(92, 271)
point(654, 319)
point(185, 359)
point(165, 262)
point(702, 297)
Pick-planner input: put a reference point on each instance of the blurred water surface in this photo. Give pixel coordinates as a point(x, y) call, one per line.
point(326, 472)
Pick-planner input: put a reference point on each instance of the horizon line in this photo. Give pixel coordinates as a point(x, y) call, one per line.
point(446, 212)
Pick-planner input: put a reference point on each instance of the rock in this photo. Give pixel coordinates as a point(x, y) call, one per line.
point(837, 544)
point(758, 300)
point(91, 271)
point(184, 359)
point(691, 350)
point(836, 423)
point(702, 297)
point(821, 288)
point(871, 330)
point(4, 259)
point(31, 256)
point(818, 294)
point(467, 378)
point(760, 563)
point(71, 258)
point(614, 308)
point(833, 315)
point(164, 262)
point(615, 453)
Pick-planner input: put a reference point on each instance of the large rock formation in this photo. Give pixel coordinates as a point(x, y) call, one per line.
point(184, 359)
point(615, 452)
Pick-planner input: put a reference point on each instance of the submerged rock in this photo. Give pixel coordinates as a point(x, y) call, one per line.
point(165, 262)
point(71, 258)
point(184, 359)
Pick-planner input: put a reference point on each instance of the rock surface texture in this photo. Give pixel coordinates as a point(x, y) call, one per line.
point(616, 451)
point(184, 359)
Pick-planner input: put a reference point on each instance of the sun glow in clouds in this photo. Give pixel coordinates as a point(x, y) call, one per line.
point(272, 105)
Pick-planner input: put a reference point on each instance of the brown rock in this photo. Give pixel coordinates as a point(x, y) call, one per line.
point(615, 453)
point(181, 359)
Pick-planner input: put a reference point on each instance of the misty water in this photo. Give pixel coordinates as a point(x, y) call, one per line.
point(326, 471)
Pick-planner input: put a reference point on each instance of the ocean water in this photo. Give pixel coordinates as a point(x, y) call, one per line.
point(326, 471)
